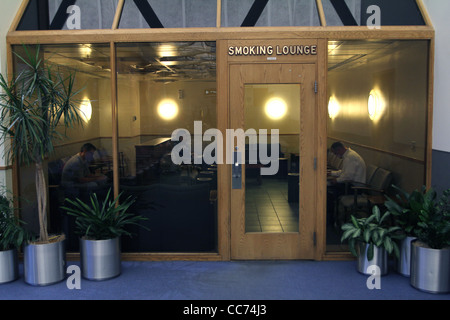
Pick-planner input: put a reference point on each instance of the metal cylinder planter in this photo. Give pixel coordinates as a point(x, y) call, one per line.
point(380, 259)
point(44, 264)
point(404, 261)
point(430, 268)
point(100, 259)
point(9, 266)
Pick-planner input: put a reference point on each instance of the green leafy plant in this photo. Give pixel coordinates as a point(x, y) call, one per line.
point(434, 224)
point(12, 233)
point(423, 215)
point(102, 220)
point(374, 230)
point(406, 208)
point(34, 104)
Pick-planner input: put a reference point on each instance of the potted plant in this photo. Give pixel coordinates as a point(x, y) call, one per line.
point(100, 225)
point(430, 253)
point(371, 240)
point(405, 209)
point(34, 104)
point(12, 235)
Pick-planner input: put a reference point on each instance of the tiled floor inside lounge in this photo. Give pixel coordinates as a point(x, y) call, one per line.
point(268, 210)
point(267, 207)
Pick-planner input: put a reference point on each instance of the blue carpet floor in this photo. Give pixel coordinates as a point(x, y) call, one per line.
point(261, 280)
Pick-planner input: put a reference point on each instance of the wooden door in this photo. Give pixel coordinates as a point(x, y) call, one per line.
point(273, 215)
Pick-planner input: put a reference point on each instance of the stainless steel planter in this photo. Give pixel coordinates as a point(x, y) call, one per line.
point(430, 268)
point(100, 259)
point(404, 261)
point(9, 266)
point(44, 264)
point(380, 259)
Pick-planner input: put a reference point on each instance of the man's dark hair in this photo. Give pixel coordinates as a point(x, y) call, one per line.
point(337, 145)
point(88, 147)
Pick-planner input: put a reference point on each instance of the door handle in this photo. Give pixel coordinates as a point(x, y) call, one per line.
point(236, 171)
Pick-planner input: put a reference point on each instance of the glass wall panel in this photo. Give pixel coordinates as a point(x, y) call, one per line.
point(168, 14)
point(372, 13)
point(65, 166)
point(163, 87)
point(66, 15)
point(249, 13)
point(378, 108)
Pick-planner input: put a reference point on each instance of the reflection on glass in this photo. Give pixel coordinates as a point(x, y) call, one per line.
point(276, 13)
point(163, 87)
point(368, 13)
point(68, 15)
point(168, 14)
point(380, 89)
point(81, 161)
point(272, 201)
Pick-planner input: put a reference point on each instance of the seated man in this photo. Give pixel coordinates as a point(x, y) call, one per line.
point(353, 171)
point(353, 166)
point(76, 171)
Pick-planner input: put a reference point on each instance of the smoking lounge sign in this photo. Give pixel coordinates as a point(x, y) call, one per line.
point(273, 51)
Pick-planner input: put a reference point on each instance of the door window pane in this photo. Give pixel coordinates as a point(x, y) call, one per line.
point(272, 201)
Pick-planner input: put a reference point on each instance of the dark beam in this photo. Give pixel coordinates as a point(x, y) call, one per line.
point(344, 12)
point(255, 13)
point(43, 15)
point(148, 13)
point(61, 15)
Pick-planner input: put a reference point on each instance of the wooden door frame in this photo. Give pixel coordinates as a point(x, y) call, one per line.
point(320, 60)
point(279, 245)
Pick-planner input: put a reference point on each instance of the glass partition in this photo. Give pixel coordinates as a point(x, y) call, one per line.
point(68, 15)
point(378, 101)
point(163, 87)
point(372, 13)
point(276, 13)
point(168, 14)
point(64, 167)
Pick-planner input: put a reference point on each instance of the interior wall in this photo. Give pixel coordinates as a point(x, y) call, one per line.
point(194, 104)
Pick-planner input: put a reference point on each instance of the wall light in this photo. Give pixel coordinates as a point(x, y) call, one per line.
point(86, 110)
point(168, 109)
point(333, 107)
point(276, 108)
point(375, 105)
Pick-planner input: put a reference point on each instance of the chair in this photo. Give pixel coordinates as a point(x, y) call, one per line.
point(365, 196)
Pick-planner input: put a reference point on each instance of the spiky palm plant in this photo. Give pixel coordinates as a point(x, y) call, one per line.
point(34, 103)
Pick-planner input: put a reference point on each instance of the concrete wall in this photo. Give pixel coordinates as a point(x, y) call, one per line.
point(439, 11)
